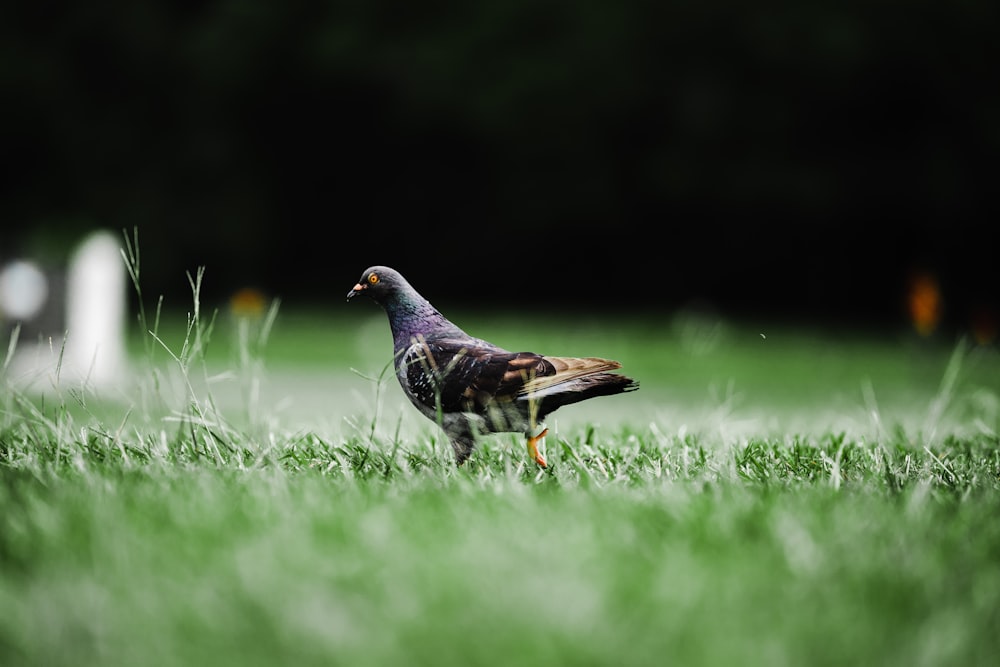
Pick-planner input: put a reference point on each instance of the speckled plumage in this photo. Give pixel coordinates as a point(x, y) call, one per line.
point(471, 387)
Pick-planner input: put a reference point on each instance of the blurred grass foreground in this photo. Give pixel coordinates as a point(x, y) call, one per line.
point(252, 490)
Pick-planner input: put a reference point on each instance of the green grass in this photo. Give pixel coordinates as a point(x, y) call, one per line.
point(794, 552)
point(786, 499)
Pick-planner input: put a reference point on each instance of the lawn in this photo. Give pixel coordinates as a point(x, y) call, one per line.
point(771, 496)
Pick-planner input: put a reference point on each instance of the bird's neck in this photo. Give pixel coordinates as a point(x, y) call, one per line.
point(413, 317)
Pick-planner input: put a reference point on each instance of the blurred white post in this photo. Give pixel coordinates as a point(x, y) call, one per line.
point(95, 312)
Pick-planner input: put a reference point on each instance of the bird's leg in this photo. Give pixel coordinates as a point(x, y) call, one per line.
point(462, 447)
point(533, 448)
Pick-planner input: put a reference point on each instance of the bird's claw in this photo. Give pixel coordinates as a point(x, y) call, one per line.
point(533, 448)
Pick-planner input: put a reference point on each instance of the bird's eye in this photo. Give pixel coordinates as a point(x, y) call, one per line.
point(373, 279)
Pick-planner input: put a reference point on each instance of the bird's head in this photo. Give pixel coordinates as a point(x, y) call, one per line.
point(377, 282)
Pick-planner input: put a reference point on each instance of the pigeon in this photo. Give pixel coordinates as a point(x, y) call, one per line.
point(470, 387)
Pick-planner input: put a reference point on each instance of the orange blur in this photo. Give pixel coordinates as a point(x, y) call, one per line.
point(925, 303)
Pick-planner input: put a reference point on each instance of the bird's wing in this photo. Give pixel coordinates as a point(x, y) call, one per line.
point(563, 371)
point(454, 374)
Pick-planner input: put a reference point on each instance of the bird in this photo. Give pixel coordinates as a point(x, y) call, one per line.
point(473, 388)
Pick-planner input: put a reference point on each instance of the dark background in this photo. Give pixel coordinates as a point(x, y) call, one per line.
point(791, 159)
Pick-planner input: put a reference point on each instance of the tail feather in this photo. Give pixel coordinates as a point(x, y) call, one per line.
point(568, 369)
point(575, 389)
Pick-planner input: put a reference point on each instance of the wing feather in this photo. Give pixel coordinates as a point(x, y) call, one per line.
point(468, 374)
point(565, 370)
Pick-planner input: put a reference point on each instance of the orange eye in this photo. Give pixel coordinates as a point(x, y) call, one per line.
point(373, 279)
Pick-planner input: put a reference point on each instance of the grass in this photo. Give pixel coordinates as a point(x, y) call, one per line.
point(826, 552)
point(783, 499)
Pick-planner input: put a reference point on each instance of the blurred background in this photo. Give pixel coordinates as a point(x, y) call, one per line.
point(828, 162)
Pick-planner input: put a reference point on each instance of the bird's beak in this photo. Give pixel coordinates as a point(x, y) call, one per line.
point(357, 289)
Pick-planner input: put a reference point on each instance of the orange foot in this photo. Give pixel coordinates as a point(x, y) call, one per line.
point(533, 448)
